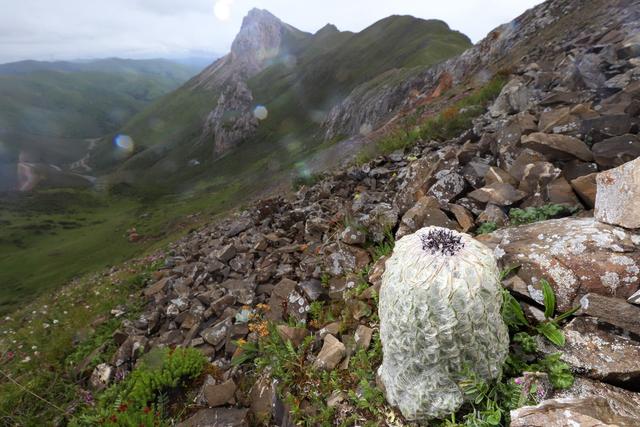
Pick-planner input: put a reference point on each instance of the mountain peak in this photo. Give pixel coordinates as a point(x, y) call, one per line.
point(327, 29)
point(258, 41)
point(257, 14)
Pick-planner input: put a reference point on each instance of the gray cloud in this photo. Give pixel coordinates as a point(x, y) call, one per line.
point(68, 29)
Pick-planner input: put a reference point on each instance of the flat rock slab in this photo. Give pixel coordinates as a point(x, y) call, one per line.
point(557, 147)
point(598, 352)
point(217, 417)
point(576, 255)
point(618, 195)
point(586, 412)
point(624, 403)
point(219, 394)
point(614, 311)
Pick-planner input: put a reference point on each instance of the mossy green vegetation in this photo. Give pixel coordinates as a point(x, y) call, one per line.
point(137, 399)
point(528, 215)
point(46, 345)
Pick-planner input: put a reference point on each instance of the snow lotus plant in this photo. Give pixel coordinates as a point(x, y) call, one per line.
point(439, 312)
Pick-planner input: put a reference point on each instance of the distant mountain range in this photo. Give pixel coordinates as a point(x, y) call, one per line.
point(262, 107)
point(49, 109)
point(266, 101)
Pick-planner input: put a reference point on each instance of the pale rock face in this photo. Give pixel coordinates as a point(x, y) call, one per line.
point(618, 195)
point(439, 312)
point(234, 117)
point(593, 411)
point(576, 256)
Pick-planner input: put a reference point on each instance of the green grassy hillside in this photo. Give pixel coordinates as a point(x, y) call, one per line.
point(312, 73)
point(48, 109)
point(334, 63)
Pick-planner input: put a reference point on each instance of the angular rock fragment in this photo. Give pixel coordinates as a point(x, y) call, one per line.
point(499, 194)
point(594, 411)
point(585, 187)
point(220, 394)
point(331, 354)
point(425, 212)
point(558, 147)
point(616, 151)
point(618, 195)
point(217, 417)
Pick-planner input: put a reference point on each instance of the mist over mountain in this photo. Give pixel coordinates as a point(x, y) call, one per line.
point(268, 97)
point(51, 109)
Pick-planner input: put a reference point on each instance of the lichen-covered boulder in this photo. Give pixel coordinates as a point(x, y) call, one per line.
point(439, 312)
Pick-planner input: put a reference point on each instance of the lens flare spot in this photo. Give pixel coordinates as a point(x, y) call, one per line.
point(124, 143)
point(222, 9)
point(260, 112)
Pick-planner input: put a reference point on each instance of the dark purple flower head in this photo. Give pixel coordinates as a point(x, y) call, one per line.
point(441, 241)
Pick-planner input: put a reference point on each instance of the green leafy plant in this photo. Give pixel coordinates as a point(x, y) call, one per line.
point(528, 215)
point(486, 228)
point(385, 247)
point(135, 399)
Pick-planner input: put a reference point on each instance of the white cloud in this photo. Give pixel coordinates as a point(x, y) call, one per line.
point(67, 29)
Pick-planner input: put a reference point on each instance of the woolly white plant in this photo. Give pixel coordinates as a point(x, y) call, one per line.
point(439, 310)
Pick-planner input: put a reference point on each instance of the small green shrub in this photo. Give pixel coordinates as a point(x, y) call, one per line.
point(486, 228)
point(528, 215)
point(385, 247)
point(136, 398)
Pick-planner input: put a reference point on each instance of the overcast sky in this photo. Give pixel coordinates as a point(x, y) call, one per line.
point(70, 29)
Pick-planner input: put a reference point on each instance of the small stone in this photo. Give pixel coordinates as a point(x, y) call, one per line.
point(278, 298)
point(217, 333)
point(219, 305)
point(157, 287)
point(635, 298)
point(331, 354)
point(225, 253)
point(336, 398)
point(217, 417)
point(463, 216)
point(101, 377)
point(290, 333)
point(495, 174)
point(618, 195)
point(447, 188)
point(353, 236)
point(493, 213)
point(498, 193)
point(363, 337)
point(424, 213)
point(585, 187)
point(220, 394)
point(312, 289)
point(262, 395)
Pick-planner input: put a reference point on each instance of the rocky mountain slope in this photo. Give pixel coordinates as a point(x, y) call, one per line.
point(270, 94)
point(545, 148)
point(282, 297)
